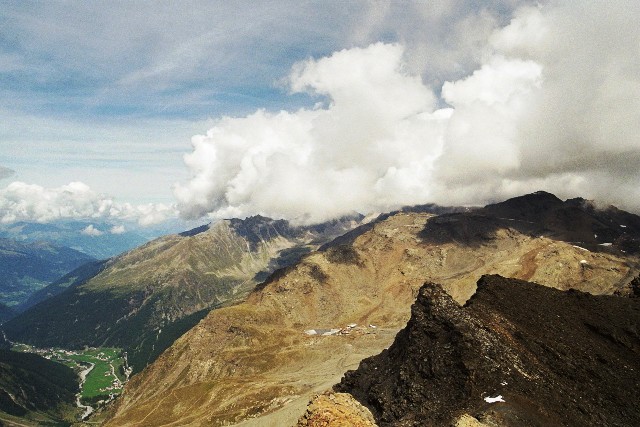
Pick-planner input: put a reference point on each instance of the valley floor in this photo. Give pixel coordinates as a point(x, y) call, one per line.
point(103, 372)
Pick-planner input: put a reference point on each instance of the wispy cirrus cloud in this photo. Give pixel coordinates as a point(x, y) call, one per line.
point(202, 58)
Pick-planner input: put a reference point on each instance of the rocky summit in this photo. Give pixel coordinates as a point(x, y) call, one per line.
point(517, 354)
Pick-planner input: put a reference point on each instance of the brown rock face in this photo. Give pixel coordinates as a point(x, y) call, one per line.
point(554, 358)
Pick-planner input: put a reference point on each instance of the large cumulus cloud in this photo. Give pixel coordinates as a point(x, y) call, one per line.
point(554, 105)
point(356, 152)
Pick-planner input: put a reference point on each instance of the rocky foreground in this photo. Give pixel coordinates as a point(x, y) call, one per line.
point(516, 354)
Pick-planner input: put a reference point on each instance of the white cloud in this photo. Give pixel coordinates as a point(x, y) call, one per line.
point(312, 165)
point(117, 229)
point(543, 96)
point(29, 202)
point(554, 105)
point(102, 104)
point(444, 40)
point(481, 136)
point(90, 230)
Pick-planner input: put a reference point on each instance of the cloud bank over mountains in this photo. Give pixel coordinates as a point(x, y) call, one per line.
point(29, 202)
point(554, 105)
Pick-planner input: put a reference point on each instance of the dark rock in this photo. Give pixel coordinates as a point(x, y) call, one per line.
point(557, 358)
point(577, 221)
point(632, 290)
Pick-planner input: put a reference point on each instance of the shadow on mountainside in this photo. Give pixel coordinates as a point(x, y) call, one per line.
point(576, 221)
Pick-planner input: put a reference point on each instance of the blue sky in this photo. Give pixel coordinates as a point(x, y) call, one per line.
point(110, 93)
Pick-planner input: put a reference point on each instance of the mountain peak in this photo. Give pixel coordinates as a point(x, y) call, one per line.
point(533, 202)
point(195, 231)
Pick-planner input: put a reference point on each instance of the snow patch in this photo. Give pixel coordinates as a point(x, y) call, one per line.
point(498, 398)
point(581, 248)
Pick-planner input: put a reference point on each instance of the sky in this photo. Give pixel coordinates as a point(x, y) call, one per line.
point(308, 110)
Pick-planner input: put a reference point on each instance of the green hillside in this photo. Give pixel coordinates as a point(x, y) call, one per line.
point(75, 278)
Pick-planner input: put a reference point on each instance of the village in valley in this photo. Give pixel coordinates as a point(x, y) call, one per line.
point(102, 371)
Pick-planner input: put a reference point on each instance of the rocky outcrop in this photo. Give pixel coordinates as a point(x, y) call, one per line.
point(631, 290)
point(576, 220)
point(336, 410)
point(517, 354)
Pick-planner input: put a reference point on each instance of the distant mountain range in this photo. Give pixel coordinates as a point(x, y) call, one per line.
point(146, 298)
point(33, 255)
point(260, 361)
point(95, 239)
point(27, 267)
point(74, 278)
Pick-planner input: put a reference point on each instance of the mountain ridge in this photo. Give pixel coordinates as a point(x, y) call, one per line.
point(144, 299)
point(26, 267)
point(259, 357)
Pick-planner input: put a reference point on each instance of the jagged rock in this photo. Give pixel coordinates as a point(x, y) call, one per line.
point(632, 290)
point(556, 359)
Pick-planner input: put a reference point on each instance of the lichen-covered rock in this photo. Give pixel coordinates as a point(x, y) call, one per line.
point(336, 410)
